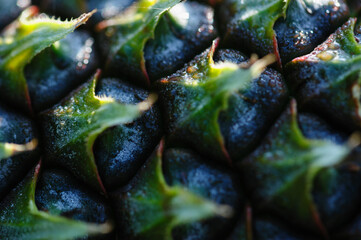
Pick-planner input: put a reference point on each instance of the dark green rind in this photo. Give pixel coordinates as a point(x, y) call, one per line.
point(280, 174)
point(17, 148)
point(127, 35)
point(194, 97)
point(307, 24)
point(286, 28)
point(60, 194)
point(337, 194)
point(249, 24)
point(315, 127)
point(70, 128)
point(186, 168)
point(23, 42)
point(183, 32)
point(329, 78)
point(251, 113)
point(149, 209)
point(60, 68)
point(21, 219)
point(121, 151)
point(336, 191)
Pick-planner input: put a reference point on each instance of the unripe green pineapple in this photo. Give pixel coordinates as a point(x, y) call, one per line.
point(169, 119)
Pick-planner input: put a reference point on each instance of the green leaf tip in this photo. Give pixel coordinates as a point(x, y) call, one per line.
point(288, 174)
point(186, 207)
point(150, 208)
point(258, 17)
point(129, 32)
point(22, 41)
point(334, 89)
point(72, 127)
point(21, 219)
point(340, 47)
point(205, 89)
point(11, 149)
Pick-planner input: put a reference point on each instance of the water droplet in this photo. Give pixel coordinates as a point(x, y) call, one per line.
point(325, 56)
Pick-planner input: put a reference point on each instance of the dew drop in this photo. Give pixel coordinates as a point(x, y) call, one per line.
point(325, 56)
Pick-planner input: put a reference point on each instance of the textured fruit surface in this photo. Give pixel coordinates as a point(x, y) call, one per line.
point(183, 120)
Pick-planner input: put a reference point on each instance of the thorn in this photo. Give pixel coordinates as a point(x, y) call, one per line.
point(84, 18)
point(224, 211)
point(250, 62)
point(98, 73)
point(354, 140)
point(23, 147)
point(253, 58)
point(259, 66)
point(160, 148)
point(147, 104)
point(103, 228)
point(212, 50)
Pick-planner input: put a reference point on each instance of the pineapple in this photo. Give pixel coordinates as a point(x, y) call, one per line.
point(155, 119)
